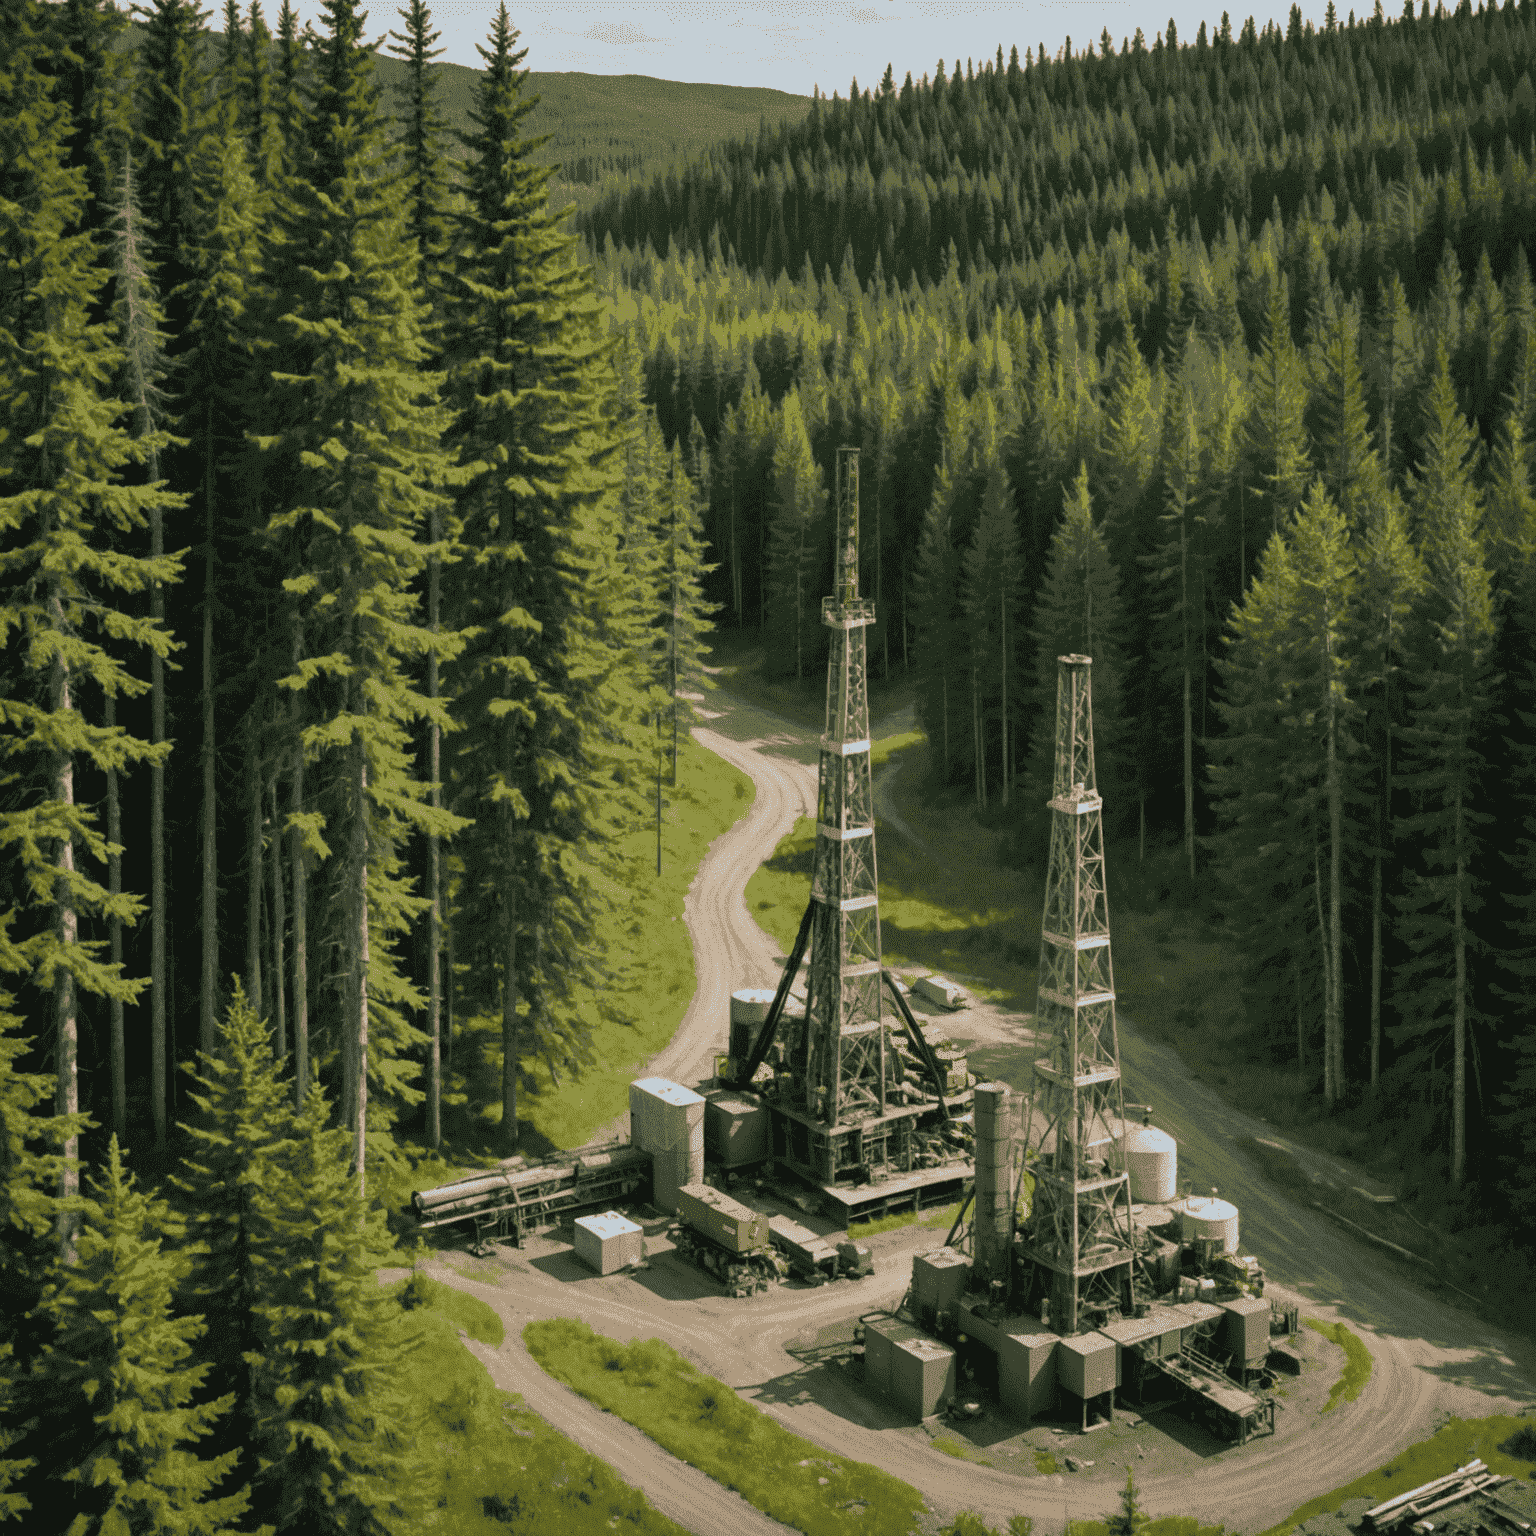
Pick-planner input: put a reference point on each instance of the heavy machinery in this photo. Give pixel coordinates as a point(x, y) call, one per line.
point(726, 1239)
point(813, 1259)
point(507, 1202)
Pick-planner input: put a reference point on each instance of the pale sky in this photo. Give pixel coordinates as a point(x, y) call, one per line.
point(792, 45)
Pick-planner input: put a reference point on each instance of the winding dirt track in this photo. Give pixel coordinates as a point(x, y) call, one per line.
point(1430, 1360)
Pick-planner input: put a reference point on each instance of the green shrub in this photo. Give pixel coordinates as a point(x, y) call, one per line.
point(1357, 1362)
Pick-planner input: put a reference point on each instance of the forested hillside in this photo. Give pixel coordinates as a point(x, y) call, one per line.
point(1215, 361)
point(346, 590)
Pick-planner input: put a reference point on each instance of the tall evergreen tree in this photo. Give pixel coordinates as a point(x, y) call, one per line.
point(799, 543)
point(546, 716)
point(119, 1426)
point(358, 456)
point(334, 1414)
point(680, 537)
point(238, 1140)
point(1079, 612)
point(1276, 468)
point(61, 452)
point(1450, 689)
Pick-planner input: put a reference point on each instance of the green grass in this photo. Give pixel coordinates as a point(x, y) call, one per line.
point(487, 1466)
point(468, 1312)
point(941, 1219)
point(1452, 1446)
point(1357, 1362)
point(958, 1449)
point(1046, 1464)
point(702, 1421)
point(1169, 1525)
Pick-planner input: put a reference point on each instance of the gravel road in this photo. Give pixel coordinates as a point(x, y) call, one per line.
point(1430, 1359)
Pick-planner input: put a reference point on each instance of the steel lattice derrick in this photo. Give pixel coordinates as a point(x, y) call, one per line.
point(844, 1061)
point(1080, 1230)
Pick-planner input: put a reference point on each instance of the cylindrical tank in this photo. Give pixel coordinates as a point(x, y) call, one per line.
point(749, 1010)
point(1151, 1157)
point(1204, 1216)
point(1148, 1218)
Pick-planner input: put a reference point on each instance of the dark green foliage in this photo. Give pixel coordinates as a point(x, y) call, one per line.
point(238, 1142)
point(1129, 1519)
point(114, 1390)
point(335, 1417)
point(799, 546)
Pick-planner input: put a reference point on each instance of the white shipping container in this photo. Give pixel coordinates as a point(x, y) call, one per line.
point(609, 1242)
point(937, 989)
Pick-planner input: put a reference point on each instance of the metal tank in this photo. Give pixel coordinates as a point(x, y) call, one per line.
point(1151, 1157)
point(1204, 1216)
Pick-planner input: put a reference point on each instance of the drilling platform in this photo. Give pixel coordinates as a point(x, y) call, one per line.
point(848, 1117)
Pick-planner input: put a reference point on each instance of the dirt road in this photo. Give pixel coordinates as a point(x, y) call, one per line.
point(1430, 1359)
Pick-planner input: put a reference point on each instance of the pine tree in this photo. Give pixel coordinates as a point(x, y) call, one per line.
point(60, 456)
point(1449, 686)
point(1275, 462)
point(680, 537)
point(335, 1418)
point(1130, 1519)
point(1341, 441)
point(547, 714)
point(257, 111)
point(799, 542)
point(118, 1421)
point(1391, 578)
point(359, 458)
point(238, 1140)
point(1078, 612)
point(27, 1216)
point(1394, 355)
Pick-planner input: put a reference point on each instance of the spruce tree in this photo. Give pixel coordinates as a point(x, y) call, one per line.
point(238, 1140)
point(993, 575)
point(680, 538)
point(1391, 577)
point(1276, 469)
point(1078, 612)
point(118, 1425)
point(359, 461)
point(1341, 441)
point(546, 716)
point(799, 544)
point(335, 1416)
point(1394, 354)
point(61, 452)
point(1450, 687)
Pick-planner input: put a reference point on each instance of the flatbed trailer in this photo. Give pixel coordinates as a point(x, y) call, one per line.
point(1203, 1379)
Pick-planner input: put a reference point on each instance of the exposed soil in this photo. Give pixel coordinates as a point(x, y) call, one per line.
point(1431, 1360)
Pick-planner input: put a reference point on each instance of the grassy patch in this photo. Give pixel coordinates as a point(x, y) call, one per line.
point(702, 1421)
point(650, 959)
point(1169, 1525)
point(942, 1219)
point(486, 1465)
point(1357, 1361)
point(461, 1309)
point(1046, 1464)
point(958, 1449)
point(1455, 1444)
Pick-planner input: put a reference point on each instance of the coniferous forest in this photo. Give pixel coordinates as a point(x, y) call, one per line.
point(363, 517)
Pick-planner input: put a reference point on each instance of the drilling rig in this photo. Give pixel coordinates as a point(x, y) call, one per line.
point(847, 1117)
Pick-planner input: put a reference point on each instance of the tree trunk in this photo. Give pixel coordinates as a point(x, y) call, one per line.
point(279, 925)
point(1189, 778)
point(1375, 970)
point(509, 1042)
point(67, 932)
point(1459, 1041)
point(944, 685)
point(300, 899)
point(1335, 1017)
point(115, 938)
point(207, 998)
point(1322, 939)
point(1003, 649)
point(449, 982)
point(360, 973)
point(253, 887)
point(157, 896)
point(434, 861)
point(735, 551)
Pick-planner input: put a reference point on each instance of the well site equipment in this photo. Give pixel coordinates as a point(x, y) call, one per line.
point(609, 1242)
point(847, 1116)
point(1110, 1282)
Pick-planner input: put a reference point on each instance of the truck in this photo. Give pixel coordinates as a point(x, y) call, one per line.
point(810, 1257)
point(726, 1239)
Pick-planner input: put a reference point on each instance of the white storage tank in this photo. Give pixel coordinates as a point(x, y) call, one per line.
point(1204, 1216)
point(749, 1012)
point(1151, 1157)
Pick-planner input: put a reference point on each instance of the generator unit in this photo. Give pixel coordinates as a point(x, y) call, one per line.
point(726, 1239)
